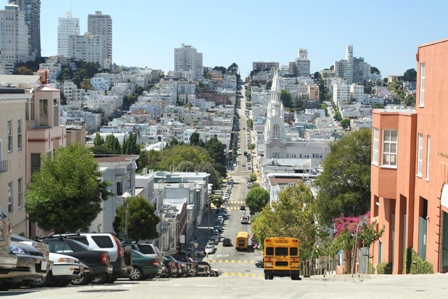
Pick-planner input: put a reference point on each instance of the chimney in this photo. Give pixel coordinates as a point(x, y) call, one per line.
point(43, 76)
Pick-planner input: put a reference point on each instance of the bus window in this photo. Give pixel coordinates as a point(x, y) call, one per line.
point(282, 251)
point(294, 251)
point(269, 251)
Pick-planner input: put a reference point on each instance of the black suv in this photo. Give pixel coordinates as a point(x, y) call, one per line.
point(98, 261)
point(120, 257)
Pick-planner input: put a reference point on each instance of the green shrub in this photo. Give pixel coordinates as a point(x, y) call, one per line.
point(371, 269)
point(384, 268)
point(415, 265)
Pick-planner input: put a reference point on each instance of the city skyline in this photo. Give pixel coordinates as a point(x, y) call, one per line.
point(386, 34)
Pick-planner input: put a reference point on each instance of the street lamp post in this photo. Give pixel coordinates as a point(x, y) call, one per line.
point(125, 197)
point(195, 246)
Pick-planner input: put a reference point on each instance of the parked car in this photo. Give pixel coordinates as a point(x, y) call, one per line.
point(215, 238)
point(8, 259)
point(120, 257)
point(47, 263)
point(170, 267)
point(148, 249)
point(210, 249)
point(65, 269)
point(143, 267)
point(31, 264)
point(227, 242)
point(213, 271)
point(259, 264)
point(181, 267)
point(98, 261)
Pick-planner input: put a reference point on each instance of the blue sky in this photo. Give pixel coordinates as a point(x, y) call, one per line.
point(145, 32)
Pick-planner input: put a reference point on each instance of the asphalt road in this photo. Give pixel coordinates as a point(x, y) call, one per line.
point(386, 286)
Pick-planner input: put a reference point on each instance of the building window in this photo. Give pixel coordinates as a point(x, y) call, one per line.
point(43, 113)
point(9, 132)
point(422, 84)
point(56, 113)
point(376, 142)
point(428, 152)
point(19, 134)
point(30, 109)
point(19, 193)
point(276, 129)
point(10, 210)
point(419, 155)
point(390, 138)
point(35, 163)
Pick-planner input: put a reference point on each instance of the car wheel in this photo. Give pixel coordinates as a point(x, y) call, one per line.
point(83, 280)
point(136, 274)
point(99, 278)
point(40, 282)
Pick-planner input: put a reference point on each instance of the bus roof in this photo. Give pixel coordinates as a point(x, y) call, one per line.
point(242, 234)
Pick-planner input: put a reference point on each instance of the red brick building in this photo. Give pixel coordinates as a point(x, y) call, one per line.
point(409, 173)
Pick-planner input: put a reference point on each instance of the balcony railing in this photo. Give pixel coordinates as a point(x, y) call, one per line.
point(3, 166)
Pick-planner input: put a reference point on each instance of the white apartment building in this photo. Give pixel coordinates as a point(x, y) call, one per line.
point(187, 58)
point(66, 27)
point(341, 93)
point(303, 64)
point(357, 92)
point(99, 24)
point(13, 38)
point(87, 47)
point(99, 83)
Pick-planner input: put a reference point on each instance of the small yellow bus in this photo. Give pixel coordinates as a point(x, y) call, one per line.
point(242, 241)
point(281, 257)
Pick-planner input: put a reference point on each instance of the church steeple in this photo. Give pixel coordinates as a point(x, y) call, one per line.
point(274, 135)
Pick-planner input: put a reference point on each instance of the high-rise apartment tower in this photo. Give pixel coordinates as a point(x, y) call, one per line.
point(99, 24)
point(31, 8)
point(66, 27)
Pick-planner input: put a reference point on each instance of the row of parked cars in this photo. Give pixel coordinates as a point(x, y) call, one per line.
point(84, 258)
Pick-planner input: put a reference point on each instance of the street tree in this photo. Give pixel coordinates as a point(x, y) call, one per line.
point(345, 123)
point(410, 75)
point(290, 216)
point(185, 166)
point(215, 150)
point(214, 178)
point(65, 193)
point(257, 199)
point(374, 70)
point(344, 184)
point(217, 201)
point(98, 140)
point(194, 138)
point(142, 221)
point(286, 98)
point(252, 177)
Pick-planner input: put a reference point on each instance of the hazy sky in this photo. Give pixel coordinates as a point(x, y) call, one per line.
point(145, 32)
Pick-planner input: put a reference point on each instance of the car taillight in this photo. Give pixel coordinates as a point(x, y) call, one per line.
point(104, 258)
point(155, 263)
point(120, 248)
point(268, 259)
point(294, 259)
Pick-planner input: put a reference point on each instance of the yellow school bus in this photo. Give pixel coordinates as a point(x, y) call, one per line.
point(242, 241)
point(281, 257)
